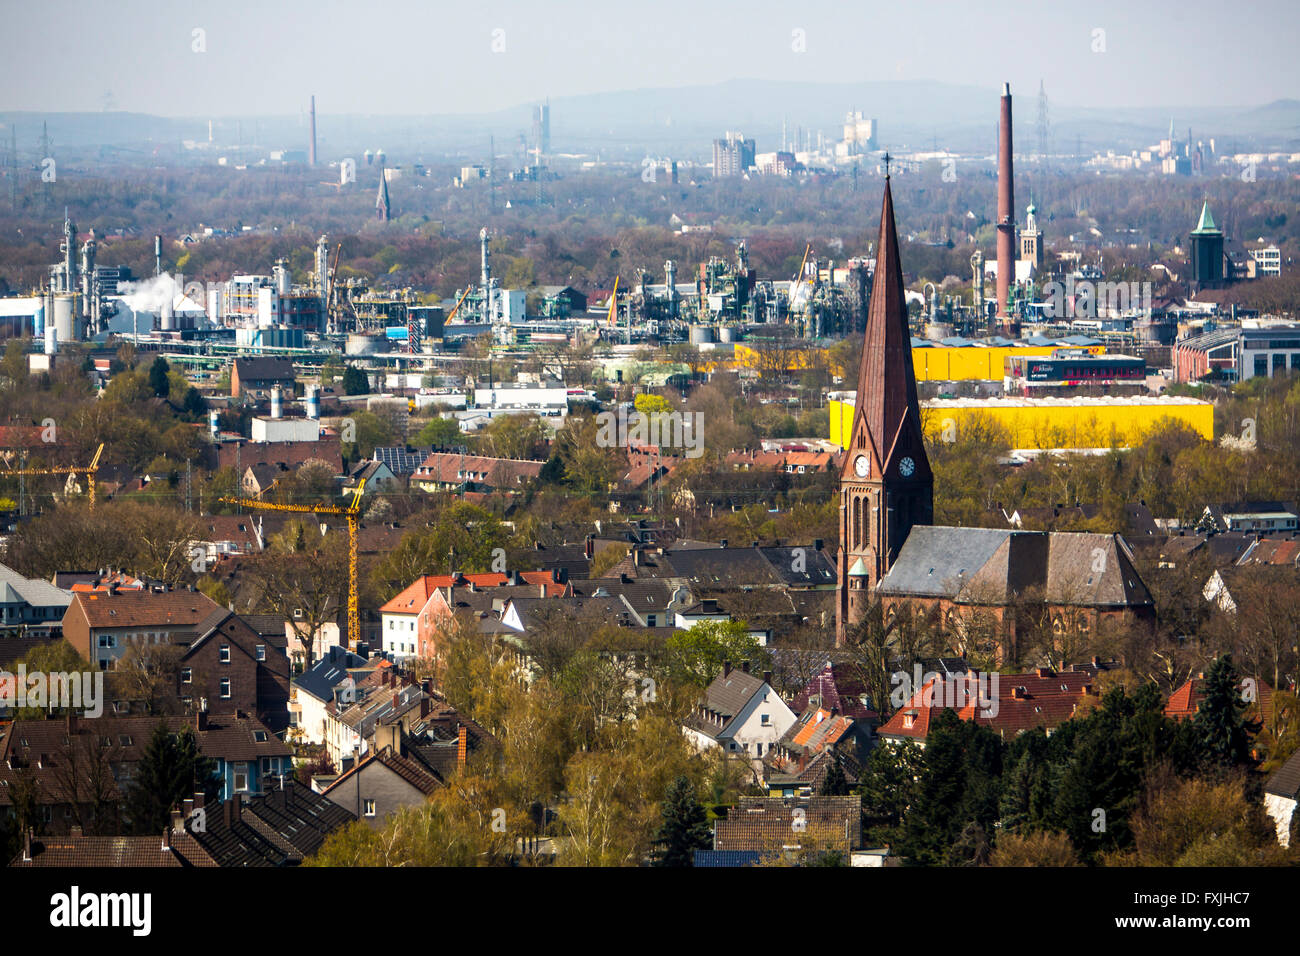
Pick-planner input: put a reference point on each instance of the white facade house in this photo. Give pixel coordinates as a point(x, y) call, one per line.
point(741, 713)
point(1281, 793)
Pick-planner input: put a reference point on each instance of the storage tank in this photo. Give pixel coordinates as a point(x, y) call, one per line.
point(701, 334)
point(361, 343)
point(938, 331)
point(65, 317)
point(728, 333)
point(214, 425)
point(51, 340)
point(277, 402)
point(166, 317)
point(38, 320)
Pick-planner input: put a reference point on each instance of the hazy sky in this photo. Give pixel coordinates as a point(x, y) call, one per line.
point(429, 56)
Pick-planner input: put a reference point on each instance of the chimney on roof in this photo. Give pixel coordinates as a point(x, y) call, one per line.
point(187, 808)
point(201, 720)
point(726, 668)
point(589, 546)
point(27, 845)
point(177, 825)
point(425, 704)
point(72, 722)
point(1044, 672)
point(767, 678)
point(200, 799)
point(462, 744)
point(818, 544)
point(744, 666)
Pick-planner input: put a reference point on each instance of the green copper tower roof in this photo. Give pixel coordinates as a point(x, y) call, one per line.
point(1207, 221)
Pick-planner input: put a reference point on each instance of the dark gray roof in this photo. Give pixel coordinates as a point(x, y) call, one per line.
point(993, 566)
point(1286, 781)
point(935, 561)
point(715, 568)
point(729, 693)
point(818, 569)
point(321, 679)
point(263, 368)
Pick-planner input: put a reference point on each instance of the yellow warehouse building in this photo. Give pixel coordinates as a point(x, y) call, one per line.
point(932, 364)
point(1038, 423)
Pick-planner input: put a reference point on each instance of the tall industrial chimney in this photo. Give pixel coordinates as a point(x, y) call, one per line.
point(277, 402)
point(311, 157)
point(1006, 209)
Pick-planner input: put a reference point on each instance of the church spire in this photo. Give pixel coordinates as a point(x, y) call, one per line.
point(886, 380)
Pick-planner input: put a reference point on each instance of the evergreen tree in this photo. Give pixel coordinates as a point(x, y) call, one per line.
point(194, 404)
point(171, 769)
point(355, 381)
point(835, 783)
point(685, 827)
point(158, 380)
point(1220, 722)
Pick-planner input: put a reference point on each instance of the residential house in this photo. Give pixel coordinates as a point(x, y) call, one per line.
point(101, 625)
point(31, 606)
point(331, 680)
point(1009, 706)
point(775, 827)
point(82, 768)
point(230, 669)
point(1281, 792)
point(253, 378)
point(448, 471)
point(739, 712)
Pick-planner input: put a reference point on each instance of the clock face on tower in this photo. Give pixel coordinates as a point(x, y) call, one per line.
point(906, 467)
point(862, 465)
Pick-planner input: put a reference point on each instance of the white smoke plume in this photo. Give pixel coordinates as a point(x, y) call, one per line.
point(151, 295)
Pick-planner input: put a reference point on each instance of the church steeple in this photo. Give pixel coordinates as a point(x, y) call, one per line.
point(886, 486)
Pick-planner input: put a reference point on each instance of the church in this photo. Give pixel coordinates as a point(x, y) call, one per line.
point(890, 549)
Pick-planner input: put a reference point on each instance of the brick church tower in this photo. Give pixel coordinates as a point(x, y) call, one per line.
point(886, 486)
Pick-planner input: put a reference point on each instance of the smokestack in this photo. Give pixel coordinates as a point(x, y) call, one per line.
point(157, 255)
point(313, 401)
point(214, 425)
point(1006, 208)
point(311, 156)
point(277, 402)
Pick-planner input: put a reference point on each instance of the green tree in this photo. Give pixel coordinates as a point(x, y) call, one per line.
point(171, 769)
point(439, 432)
point(695, 655)
point(158, 380)
point(1220, 721)
point(685, 826)
point(355, 381)
point(836, 782)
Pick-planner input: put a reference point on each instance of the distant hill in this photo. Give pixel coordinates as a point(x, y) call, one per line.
point(683, 121)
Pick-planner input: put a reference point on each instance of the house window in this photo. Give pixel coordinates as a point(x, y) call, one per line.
point(758, 750)
point(187, 675)
point(223, 655)
point(225, 688)
point(261, 652)
point(107, 640)
point(650, 620)
point(767, 720)
point(368, 808)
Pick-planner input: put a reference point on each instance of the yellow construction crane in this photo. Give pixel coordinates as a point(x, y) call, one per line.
point(352, 511)
point(613, 304)
point(458, 303)
point(88, 470)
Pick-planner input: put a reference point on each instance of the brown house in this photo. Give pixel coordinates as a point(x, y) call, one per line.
point(255, 377)
point(234, 670)
point(102, 625)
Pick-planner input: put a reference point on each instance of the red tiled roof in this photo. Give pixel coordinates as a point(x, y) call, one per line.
point(1024, 702)
point(1186, 700)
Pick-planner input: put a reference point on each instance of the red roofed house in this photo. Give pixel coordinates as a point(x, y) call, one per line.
point(1186, 700)
point(1008, 704)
